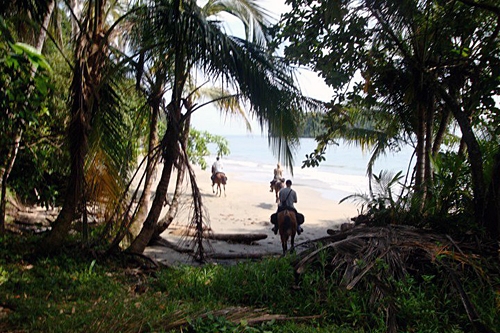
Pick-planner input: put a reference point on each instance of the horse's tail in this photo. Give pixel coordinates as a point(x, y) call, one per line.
point(287, 224)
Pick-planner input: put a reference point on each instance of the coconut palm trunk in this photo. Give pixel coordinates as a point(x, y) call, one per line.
point(90, 56)
point(164, 223)
point(170, 155)
point(151, 165)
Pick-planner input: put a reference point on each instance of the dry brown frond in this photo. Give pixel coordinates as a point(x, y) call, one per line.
point(377, 257)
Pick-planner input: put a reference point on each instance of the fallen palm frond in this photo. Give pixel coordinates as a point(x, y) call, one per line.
point(237, 315)
point(378, 258)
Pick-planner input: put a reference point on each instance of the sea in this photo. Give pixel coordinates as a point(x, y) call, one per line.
point(343, 172)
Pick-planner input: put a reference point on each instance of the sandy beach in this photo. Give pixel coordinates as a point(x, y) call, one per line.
point(245, 208)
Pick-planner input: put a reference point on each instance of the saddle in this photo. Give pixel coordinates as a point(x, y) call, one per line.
point(300, 217)
point(224, 179)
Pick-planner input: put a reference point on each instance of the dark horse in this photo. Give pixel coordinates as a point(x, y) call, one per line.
point(287, 226)
point(219, 178)
point(277, 186)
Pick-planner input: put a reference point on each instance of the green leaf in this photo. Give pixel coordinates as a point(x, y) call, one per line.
point(34, 56)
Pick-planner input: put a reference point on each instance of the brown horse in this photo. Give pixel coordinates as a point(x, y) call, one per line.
point(287, 226)
point(219, 178)
point(277, 186)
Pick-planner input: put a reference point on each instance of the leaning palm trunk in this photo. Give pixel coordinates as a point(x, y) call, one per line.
point(170, 156)
point(164, 223)
point(151, 164)
point(170, 143)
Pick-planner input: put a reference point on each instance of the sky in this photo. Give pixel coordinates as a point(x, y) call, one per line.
point(210, 119)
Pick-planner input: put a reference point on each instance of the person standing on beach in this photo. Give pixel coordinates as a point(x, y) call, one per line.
point(278, 176)
point(287, 199)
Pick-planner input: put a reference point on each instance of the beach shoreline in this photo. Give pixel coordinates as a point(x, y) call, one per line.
point(245, 208)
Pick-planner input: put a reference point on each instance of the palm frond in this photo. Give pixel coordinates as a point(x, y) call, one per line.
point(378, 259)
point(254, 17)
point(266, 82)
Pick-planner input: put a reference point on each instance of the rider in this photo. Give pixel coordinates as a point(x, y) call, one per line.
point(278, 176)
point(287, 197)
point(217, 167)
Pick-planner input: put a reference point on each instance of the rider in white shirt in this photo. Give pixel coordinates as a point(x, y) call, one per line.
point(217, 167)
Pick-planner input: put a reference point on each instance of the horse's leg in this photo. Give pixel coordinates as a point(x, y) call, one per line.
point(284, 232)
point(293, 232)
point(284, 242)
point(224, 185)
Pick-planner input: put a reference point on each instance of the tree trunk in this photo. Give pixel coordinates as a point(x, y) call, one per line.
point(170, 156)
point(90, 58)
point(475, 156)
point(170, 141)
point(476, 162)
point(164, 223)
point(151, 165)
point(428, 181)
point(62, 225)
point(420, 154)
point(492, 213)
point(443, 125)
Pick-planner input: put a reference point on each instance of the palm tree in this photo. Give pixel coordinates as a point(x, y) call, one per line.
point(94, 102)
point(154, 77)
point(192, 41)
point(226, 103)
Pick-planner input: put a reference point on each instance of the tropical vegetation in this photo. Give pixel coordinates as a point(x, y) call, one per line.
point(420, 73)
point(75, 291)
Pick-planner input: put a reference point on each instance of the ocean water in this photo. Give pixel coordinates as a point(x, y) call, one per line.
point(342, 173)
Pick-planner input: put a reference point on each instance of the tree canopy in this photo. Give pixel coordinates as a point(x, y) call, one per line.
point(409, 72)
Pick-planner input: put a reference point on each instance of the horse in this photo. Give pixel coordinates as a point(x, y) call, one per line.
point(287, 226)
point(219, 178)
point(277, 186)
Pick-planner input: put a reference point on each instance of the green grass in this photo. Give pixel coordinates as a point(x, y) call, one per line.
point(77, 292)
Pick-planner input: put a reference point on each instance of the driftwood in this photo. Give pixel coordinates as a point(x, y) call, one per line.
point(237, 238)
point(230, 256)
point(232, 238)
point(164, 242)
